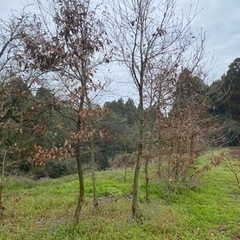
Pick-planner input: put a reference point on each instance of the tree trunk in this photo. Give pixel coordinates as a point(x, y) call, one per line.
point(135, 182)
point(1, 200)
point(147, 180)
point(177, 166)
point(80, 178)
point(2, 185)
point(159, 166)
point(92, 153)
point(125, 173)
point(139, 157)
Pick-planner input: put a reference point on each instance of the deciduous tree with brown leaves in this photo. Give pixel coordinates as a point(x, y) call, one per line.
point(70, 48)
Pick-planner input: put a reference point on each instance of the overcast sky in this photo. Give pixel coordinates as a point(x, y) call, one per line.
point(219, 18)
point(221, 21)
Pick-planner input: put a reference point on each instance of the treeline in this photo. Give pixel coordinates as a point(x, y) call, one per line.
point(226, 101)
point(29, 119)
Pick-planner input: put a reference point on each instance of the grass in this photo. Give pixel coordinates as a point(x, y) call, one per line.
point(44, 209)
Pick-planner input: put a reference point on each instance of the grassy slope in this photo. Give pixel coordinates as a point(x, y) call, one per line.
point(44, 209)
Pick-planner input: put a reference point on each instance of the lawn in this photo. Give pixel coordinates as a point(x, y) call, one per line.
point(44, 209)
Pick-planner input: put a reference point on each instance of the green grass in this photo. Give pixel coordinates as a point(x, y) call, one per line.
point(44, 209)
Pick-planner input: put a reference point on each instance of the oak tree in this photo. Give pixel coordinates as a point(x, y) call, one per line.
point(69, 49)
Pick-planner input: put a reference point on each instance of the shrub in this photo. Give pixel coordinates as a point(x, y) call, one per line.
point(59, 168)
point(55, 169)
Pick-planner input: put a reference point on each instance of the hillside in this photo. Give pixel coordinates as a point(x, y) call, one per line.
point(44, 209)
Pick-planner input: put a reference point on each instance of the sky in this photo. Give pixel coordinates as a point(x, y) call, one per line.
point(220, 19)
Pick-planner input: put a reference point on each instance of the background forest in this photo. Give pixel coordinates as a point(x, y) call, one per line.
point(31, 119)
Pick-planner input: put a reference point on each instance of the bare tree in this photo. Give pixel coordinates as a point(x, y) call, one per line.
point(151, 35)
point(9, 33)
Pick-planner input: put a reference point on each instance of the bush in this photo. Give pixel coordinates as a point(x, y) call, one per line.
point(59, 168)
point(55, 169)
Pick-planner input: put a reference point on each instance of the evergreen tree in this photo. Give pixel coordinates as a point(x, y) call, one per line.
point(188, 93)
point(232, 86)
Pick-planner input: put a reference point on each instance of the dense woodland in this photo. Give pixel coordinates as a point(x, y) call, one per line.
point(51, 123)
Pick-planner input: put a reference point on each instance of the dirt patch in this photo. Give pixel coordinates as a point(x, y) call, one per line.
point(236, 237)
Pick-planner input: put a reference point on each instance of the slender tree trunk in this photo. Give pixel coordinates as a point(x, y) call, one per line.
point(81, 180)
point(147, 180)
point(159, 167)
point(147, 162)
point(92, 150)
point(1, 200)
point(2, 185)
point(92, 156)
point(135, 182)
point(191, 145)
point(139, 157)
point(177, 170)
point(125, 173)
